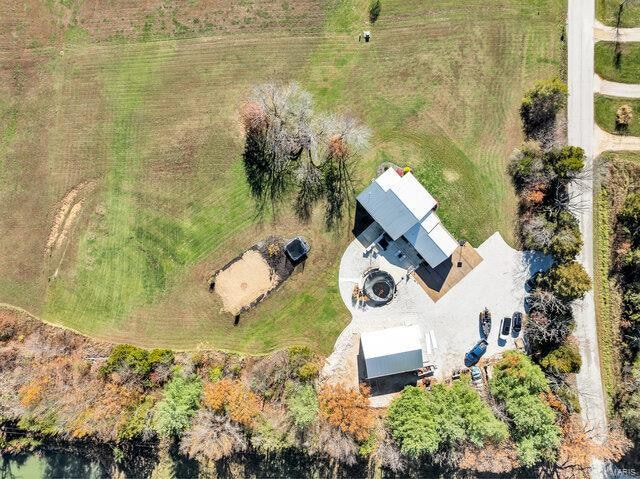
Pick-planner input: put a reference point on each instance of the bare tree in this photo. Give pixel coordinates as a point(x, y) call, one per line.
point(212, 437)
point(543, 329)
point(277, 125)
point(331, 442)
point(624, 116)
point(289, 148)
point(388, 454)
point(343, 140)
point(536, 232)
point(310, 190)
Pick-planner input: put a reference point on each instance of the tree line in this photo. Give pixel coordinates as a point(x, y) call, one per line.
point(623, 198)
point(547, 177)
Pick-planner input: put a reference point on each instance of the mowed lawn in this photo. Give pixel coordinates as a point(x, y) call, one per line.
point(151, 119)
point(606, 108)
point(607, 12)
point(626, 69)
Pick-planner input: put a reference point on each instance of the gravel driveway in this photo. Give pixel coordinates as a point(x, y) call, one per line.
point(498, 282)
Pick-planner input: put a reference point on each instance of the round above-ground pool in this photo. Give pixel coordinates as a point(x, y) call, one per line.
point(379, 286)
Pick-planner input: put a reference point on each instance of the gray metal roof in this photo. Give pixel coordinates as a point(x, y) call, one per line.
point(391, 351)
point(403, 207)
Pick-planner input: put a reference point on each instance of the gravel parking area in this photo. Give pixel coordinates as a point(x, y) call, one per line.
point(498, 283)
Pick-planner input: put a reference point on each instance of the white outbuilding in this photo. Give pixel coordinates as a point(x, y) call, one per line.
point(391, 351)
point(403, 207)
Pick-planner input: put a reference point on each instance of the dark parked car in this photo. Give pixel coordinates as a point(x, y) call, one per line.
point(506, 328)
point(533, 282)
point(473, 356)
point(517, 323)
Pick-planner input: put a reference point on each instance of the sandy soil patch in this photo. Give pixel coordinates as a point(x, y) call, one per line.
point(244, 282)
point(451, 176)
point(607, 142)
point(61, 214)
point(65, 216)
point(73, 214)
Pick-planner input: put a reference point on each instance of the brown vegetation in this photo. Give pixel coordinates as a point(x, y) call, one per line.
point(212, 437)
point(347, 409)
point(578, 450)
point(494, 458)
point(624, 116)
point(231, 397)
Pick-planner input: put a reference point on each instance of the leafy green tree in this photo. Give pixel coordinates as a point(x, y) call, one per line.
point(422, 422)
point(564, 359)
point(139, 420)
point(631, 302)
point(569, 281)
point(302, 363)
point(629, 216)
point(462, 416)
point(181, 399)
point(516, 375)
point(537, 436)
point(302, 403)
point(566, 162)
point(519, 384)
point(540, 106)
point(125, 358)
point(631, 415)
point(566, 243)
point(269, 439)
point(631, 264)
point(411, 424)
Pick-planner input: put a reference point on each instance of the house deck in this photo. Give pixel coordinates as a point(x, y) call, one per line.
point(437, 281)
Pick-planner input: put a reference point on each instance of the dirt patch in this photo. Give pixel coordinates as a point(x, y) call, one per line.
point(245, 282)
point(451, 176)
point(61, 214)
point(73, 214)
point(65, 217)
point(250, 278)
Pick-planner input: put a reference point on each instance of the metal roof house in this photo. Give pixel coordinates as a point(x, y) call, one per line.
point(404, 208)
point(391, 351)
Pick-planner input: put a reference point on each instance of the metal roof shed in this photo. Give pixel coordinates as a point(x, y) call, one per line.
point(391, 351)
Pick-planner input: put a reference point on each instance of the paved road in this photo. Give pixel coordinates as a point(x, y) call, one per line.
point(611, 88)
point(581, 18)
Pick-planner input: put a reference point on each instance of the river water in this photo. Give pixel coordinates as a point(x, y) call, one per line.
point(50, 465)
point(58, 462)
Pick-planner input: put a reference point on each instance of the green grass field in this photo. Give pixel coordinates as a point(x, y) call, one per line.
point(628, 70)
point(605, 304)
point(605, 113)
point(607, 12)
point(147, 108)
